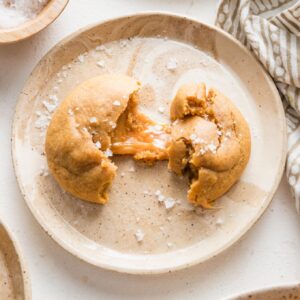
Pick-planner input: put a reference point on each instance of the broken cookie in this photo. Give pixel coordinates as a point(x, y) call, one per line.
point(97, 119)
point(210, 142)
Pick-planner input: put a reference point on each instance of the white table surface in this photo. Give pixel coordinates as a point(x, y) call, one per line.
point(269, 254)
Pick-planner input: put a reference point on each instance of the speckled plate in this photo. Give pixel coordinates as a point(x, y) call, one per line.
point(286, 292)
point(14, 280)
point(161, 51)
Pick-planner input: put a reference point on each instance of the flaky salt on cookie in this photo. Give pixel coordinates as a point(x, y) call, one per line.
point(210, 141)
point(97, 119)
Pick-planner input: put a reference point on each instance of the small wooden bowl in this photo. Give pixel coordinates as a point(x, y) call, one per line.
point(15, 281)
point(50, 12)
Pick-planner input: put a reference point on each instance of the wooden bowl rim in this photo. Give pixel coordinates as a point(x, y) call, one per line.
point(23, 266)
point(48, 15)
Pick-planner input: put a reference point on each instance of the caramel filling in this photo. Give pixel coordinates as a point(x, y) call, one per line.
point(139, 136)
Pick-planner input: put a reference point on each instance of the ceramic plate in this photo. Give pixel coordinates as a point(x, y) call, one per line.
point(273, 293)
point(14, 283)
point(162, 52)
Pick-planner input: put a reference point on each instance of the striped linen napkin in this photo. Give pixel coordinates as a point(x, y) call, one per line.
point(275, 41)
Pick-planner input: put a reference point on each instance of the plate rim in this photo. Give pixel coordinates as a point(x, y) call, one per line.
point(145, 271)
point(24, 268)
point(267, 288)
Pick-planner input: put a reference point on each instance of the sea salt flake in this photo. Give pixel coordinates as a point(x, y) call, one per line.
point(202, 151)
point(42, 122)
point(112, 124)
point(122, 174)
point(219, 132)
point(295, 169)
point(169, 203)
point(44, 172)
point(93, 120)
point(159, 143)
point(108, 153)
point(157, 193)
point(219, 222)
point(169, 245)
point(193, 136)
point(161, 198)
point(132, 169)
point(70, 112)
point(158, 128)
point(64, 74)
point(212, 147)
point(100, 63)
point(117, 103)
point(172, 64)
point(139, 235)
point(53, 98)
point(49, 106)
point(100, 48)
point(161, 109)
point(198, 141)
point(228, 134)
point(81, 58)
point(98, 145)
point(292, 180)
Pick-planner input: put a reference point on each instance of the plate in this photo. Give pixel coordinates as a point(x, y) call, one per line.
point(162, 51)
point(291, 291)
point(14, 283)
